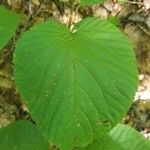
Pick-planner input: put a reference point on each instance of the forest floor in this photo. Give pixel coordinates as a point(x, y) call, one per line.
point(134, 20)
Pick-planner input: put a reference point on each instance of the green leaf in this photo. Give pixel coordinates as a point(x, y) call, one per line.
point(121, 137)
point(78, 85)
point(114, 20)
point(91, 2)
point(8, 24)
point(22, 135)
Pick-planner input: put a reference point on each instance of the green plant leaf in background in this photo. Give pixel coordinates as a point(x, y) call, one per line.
point(78, 85)
point(22, 135)
point(91, 2)
point(8, 24)
point(121, 137)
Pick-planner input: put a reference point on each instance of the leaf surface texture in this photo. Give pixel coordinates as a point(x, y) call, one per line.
point(78, 85)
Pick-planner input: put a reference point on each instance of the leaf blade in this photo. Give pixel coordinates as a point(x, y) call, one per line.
point(8, 25)
point(22, 135)
point(121, 137)
point(62, 69)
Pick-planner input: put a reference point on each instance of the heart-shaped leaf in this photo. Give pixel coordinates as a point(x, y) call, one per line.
point(8, 24)
point(121, 137)
point(22, 135)
point(78, 85)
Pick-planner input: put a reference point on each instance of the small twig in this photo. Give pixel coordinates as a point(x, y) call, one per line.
point(39, 10)
point(59, 7)
point(138, 3)
point(29, 16)
point(143, 29)
point(71, 15)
